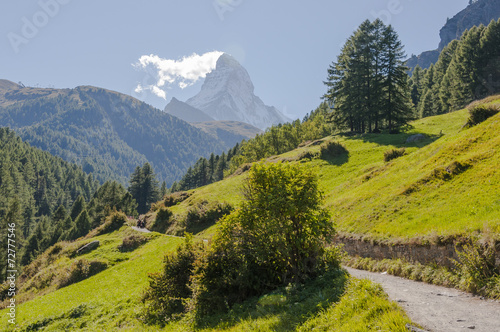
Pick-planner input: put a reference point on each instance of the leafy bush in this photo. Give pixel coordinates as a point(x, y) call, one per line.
point(393, 154)
point(168, 292)
point(331, 149)
point(81, 270)
point(177, 197)
point(307, 155)
point(203, 215)
point(113, 222)
point(132, 242)
point(476, 266)
point(276, 237)
point(481, 113)
point(162, 221)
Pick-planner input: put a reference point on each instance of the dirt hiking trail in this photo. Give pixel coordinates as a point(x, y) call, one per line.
point(436, 308)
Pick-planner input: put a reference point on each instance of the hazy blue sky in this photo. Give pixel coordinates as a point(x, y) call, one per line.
point(286, 46)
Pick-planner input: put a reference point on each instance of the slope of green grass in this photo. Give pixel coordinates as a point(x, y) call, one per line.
point(111, 300)
point(106, 301)
point(447, 188)
point(446, 185)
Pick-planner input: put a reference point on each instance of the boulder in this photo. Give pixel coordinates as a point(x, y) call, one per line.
point(88, 247)
point(416, 138)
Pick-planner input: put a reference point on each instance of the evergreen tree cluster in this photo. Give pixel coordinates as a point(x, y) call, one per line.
point(144, 187)
point(33, 184)
point(69, 225)
point(49, 199)
point(467, 69)
point(275, 140)
point(368, 85)
point(206, 171)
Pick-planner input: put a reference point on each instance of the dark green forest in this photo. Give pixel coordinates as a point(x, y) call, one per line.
point(467, 69)
point(33, 184)
point(49, 199)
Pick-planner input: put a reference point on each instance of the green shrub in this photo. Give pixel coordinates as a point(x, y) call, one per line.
point(331, 149)
point(81, 270)
point(168, 292)
point(132, 242)
point(393, 154)
point(113, 222)
point(476, 266)
point(275, 238)
point(175, 198)
point(201, 216)
point(307, 155)
point(481, 113)
point(162, 221)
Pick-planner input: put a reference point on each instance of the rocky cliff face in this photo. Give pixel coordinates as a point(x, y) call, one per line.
point(477, 13)
point(228, 94)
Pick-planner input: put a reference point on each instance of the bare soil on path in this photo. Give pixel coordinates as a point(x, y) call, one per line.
point(436, 308)
point(144, 230)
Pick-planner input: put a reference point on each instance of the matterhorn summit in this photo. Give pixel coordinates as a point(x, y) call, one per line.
point(228, 94)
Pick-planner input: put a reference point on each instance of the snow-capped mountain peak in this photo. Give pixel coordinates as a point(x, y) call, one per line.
point(228, 94)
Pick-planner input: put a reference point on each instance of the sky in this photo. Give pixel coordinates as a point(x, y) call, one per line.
point(158, 49)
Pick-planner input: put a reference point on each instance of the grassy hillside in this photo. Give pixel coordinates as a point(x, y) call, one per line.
point(445, 185)
point(102, 302)
point(110, 300)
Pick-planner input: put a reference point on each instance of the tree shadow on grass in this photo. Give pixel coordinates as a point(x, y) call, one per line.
point(397, 140)
point(337, 160)
point(287, 307)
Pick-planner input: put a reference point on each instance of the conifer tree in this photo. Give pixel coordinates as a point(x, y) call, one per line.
point(368, 85)
point(77, 208)
point(144, 187)
point(416, 86)
point(81, 226)
point(397, 110)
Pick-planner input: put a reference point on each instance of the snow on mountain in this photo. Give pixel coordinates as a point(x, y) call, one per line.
point(228, 94)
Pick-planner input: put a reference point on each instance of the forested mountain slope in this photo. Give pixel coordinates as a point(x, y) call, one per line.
point(106, 132)
point(33, 184)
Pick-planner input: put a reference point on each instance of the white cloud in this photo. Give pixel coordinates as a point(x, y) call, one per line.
point(184, 72)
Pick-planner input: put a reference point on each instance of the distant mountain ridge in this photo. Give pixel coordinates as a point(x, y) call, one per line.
point(106, 132)
point(477, 13)
point(228, 95)
point(230, 132)
point(186, 112)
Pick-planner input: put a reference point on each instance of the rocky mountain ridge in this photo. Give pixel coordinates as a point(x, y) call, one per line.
point(476, 13)
point(228, 94)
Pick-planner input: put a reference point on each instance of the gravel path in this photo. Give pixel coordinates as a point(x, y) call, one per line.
point(144, 230)
point(436, 308)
